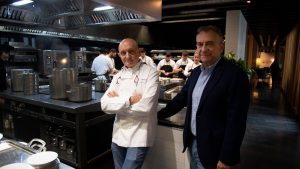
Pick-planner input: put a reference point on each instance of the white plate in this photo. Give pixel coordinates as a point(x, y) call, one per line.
point(42, 158)
point(17, 166)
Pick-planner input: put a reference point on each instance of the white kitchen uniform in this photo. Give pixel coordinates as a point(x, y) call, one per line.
point(148, 61)
point(135, 125)
point(111, 61)
point(101, 65)
point(164, 62)
point(189, 67)
point(183, 62)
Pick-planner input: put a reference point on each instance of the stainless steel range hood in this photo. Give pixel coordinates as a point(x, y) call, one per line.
point(72, 14)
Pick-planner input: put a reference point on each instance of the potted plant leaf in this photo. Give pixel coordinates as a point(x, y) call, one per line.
point(239, 62)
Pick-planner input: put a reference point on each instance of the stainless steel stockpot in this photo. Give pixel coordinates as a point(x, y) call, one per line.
point(100, 85)
point(17, 79)
point(80, 92)
point(60, 81)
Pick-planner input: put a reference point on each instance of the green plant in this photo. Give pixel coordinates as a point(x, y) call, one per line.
point(240, 62)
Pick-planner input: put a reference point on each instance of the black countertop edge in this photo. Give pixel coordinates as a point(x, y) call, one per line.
point(44, 100)
point(168, 123)
point(177, 120)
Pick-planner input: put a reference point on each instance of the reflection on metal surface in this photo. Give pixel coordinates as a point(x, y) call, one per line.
point(171, 93)
point(176, 120)
point(18, 29)
point(66, 14)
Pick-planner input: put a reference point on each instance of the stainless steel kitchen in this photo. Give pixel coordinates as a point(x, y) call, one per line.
point(50, 96)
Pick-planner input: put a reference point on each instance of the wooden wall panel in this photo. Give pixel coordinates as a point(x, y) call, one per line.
point(291, 70)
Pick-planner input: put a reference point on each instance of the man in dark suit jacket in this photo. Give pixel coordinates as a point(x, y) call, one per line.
point(217, 96)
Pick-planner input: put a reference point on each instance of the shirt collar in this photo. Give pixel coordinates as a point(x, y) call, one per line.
point(209, 68)
point(134, 68)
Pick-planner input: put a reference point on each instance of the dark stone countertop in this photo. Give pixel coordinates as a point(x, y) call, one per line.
point(44, 100)
point(176, 120)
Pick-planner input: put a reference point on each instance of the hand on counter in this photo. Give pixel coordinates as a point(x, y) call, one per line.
point(221, 165)
point(162, 71)
point(167, 73)
point(177, 70)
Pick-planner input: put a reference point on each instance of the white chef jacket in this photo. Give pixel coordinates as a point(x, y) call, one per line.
point(182, 62)
point(111, 60)
point(189, 67)
point(147, 60)
point(164, 62)
point(135, 125)
point(101, 65)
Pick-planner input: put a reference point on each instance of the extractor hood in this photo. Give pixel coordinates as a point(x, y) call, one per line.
point(72, 14)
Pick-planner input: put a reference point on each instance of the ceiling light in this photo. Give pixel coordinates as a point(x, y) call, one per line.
point(193, 20)
point(22, 2)
point(198, 11)
point(184, 16)
point(103, 8)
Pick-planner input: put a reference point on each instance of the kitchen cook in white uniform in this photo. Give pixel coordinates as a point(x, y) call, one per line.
point(133, 97)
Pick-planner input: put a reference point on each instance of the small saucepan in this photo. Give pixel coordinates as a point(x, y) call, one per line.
point(80, 92)
point(100, 85)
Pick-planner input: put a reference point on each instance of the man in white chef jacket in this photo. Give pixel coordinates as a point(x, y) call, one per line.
point(146, 59)
point(102, 66)
point(133, 97)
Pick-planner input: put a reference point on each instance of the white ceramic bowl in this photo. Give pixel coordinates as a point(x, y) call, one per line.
point(43, 159)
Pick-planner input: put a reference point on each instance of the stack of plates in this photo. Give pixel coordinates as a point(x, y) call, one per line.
point(44, 160)
point(17, 166)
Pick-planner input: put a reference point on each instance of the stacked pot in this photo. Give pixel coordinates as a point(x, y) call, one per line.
point(24, 80)
point(100, 85)
point(64, 85)
point(31, 83)
point(80, 92)
point(60, 81)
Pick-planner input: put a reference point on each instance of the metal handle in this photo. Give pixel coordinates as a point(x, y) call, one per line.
point(37, 144)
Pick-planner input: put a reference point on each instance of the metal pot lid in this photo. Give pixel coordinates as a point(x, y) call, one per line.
point(17, 166)
point(42, 158)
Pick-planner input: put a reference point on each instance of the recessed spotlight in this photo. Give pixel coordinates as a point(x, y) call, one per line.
point(103, 8)
point(22, 2)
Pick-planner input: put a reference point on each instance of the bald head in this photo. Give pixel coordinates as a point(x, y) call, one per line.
point(130, 41)
point(129, 52)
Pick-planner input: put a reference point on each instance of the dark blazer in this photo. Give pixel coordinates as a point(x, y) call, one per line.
point(221, 115)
